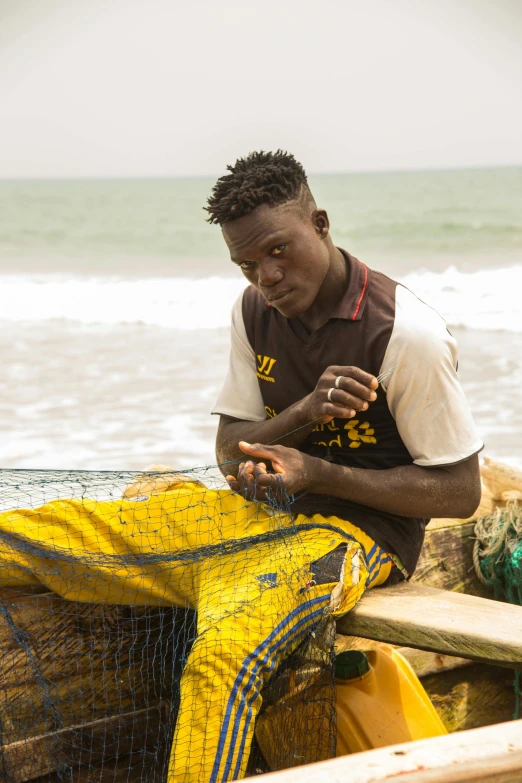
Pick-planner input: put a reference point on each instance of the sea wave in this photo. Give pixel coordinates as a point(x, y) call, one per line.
point(487, 299)
point(178, 303)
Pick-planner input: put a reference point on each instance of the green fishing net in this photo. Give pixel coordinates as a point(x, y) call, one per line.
point(498, 562)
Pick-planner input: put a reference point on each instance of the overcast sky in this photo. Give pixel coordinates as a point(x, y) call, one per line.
point(162, 87)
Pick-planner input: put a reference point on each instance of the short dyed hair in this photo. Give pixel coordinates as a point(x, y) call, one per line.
point(260, 178)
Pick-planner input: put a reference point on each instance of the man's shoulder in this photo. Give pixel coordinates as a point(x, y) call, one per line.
point(413, 312)
point(410, 312)
point(381, 291)
point(419, 329)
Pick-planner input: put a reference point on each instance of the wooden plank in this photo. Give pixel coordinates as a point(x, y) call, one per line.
point(439, 522)
point(446, 560)
point(443, 622)
point(36, 650)
point(142, 767)
point(471, 697)
point(28, 710)
point(49, 625)
point(45, 636)
point(123, 734)
point(425, 662)
point(486, 755)
point(85, 661)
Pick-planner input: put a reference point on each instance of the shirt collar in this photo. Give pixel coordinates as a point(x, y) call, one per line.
point(352, 304)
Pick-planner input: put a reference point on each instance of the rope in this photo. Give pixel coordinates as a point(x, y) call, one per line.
point(497, 558)
point(476, 562)
point(496, 535)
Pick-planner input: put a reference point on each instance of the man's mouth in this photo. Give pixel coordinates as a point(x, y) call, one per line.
point(279, 296)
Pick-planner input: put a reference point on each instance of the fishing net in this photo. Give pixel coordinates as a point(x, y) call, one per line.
point(498, 562)
point(150, 622)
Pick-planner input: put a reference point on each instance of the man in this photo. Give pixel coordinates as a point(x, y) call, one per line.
point(310, 337)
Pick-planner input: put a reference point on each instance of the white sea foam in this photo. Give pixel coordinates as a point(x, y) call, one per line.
point(178, 303)
point(487, 299)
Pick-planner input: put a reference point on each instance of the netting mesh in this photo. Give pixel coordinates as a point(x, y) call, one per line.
point(149, 623)
point(498, 560)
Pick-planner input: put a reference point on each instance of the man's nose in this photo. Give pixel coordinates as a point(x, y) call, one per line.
point(269, 274)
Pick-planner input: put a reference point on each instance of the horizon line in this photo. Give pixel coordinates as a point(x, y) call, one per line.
point(123, 177)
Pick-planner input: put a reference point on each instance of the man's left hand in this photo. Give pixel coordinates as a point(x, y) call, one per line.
point(292, 472)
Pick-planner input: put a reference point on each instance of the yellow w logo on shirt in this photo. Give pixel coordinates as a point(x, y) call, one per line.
point(265, 367)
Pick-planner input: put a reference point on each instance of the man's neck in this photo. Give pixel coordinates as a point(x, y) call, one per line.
point(330, 293)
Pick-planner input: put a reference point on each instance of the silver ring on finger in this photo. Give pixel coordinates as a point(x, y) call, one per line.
point(337, 383)
point(330, 394)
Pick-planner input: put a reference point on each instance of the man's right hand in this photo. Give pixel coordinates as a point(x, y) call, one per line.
point(352, 390)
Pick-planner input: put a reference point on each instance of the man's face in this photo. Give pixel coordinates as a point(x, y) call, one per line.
point(282, 252)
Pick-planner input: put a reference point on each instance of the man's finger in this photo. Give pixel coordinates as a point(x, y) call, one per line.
point(277, 487)
point(252, 490)
point(259, 470)
point(335, 412)
point(365, 378)
point(348, 387)
point(232, 483)
point(256, 449)
point(343, 399)
point(265, 480)
point(247, 471)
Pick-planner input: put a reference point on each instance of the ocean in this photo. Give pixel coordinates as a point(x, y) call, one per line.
point(115, 299)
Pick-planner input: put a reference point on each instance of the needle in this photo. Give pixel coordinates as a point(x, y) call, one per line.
point(385, 374)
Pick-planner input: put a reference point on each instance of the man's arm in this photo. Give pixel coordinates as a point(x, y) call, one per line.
point(409, 490)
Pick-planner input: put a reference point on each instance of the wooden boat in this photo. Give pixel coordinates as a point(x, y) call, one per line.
point(462, 645)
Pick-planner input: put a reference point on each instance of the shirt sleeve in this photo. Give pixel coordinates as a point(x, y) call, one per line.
point(423, 391)
point(240, 396)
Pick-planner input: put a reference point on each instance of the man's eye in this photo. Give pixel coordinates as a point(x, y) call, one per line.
point(277, 250)
point(246, 264)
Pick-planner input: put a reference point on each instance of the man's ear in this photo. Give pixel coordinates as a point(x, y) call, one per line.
point(321, 222)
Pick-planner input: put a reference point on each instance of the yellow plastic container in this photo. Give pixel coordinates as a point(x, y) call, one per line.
point(380, 701)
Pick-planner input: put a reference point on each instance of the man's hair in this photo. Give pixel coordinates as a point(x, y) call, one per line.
point(260, 178)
